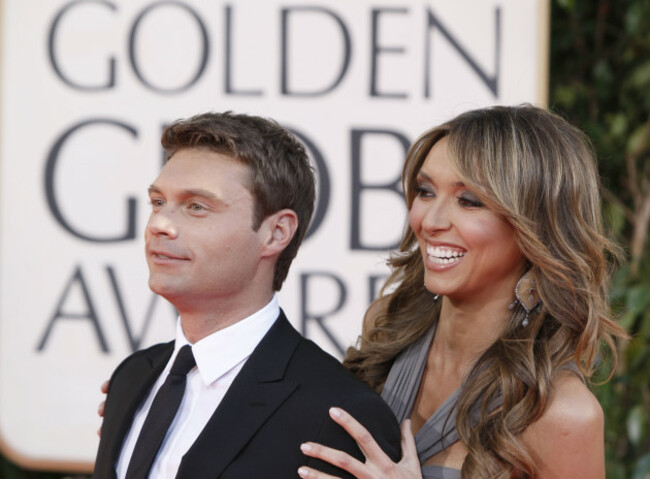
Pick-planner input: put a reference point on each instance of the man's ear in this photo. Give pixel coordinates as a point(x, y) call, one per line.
point(282, 225)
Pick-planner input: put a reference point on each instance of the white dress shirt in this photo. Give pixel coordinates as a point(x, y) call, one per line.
point(219, 358)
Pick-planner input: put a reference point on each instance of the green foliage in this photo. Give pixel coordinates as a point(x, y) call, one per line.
point(600, 80)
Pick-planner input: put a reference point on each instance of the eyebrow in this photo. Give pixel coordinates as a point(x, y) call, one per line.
point(208, 195)
point(458, 184)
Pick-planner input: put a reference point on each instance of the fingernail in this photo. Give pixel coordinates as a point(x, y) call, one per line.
point(302, 472)
point(305, 447)
point(334, 411)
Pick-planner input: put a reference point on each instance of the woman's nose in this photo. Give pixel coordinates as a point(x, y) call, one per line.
point(436, 216)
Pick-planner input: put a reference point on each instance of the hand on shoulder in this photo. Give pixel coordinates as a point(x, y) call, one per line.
point(568, 440)
point(375, 465)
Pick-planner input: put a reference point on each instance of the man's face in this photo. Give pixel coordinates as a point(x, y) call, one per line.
point(200, 244)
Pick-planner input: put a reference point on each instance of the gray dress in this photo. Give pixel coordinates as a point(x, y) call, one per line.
point(439, 431)
point(400, 390)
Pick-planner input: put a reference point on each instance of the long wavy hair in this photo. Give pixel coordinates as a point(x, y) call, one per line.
point(539, 172)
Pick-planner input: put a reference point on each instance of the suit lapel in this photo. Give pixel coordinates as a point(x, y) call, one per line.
point(257, 391)
point(129, 392)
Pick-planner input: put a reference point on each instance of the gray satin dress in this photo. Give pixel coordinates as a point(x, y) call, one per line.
point(439, 431)
point(400, 391)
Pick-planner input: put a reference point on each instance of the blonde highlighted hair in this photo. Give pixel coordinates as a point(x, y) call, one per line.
point(539, 172)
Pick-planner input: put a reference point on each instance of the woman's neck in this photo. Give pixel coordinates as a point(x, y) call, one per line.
point(465, 331)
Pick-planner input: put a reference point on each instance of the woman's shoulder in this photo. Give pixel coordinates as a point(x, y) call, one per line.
point(572, 407)
point(568, 439)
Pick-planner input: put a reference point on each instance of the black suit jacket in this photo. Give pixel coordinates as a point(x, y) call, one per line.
point(279, 400)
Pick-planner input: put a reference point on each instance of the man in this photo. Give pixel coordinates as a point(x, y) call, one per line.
point(229, 211)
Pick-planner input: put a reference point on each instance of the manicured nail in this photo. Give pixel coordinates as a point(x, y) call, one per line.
point(336, 412)
point(303, 472)
point(305, 447)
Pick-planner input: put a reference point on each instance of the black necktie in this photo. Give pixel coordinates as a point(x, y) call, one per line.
point(162, 413)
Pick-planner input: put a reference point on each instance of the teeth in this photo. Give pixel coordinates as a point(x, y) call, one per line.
point(446, 255)
point(435, 259)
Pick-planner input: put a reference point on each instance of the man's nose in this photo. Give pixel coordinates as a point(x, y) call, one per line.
point(162, 223)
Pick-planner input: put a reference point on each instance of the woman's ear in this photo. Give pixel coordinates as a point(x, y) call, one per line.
point(282, 225)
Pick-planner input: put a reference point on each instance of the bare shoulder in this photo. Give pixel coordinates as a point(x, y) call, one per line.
point(374, 311)
point(568, 440)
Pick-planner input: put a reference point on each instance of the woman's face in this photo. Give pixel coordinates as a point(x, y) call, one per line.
point(469, 251)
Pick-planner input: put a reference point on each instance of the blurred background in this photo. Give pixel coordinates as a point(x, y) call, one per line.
point(599, 80)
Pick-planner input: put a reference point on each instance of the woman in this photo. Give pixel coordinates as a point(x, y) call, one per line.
point(492, 318)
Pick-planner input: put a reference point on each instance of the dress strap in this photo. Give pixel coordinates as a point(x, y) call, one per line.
point(405, 375)
point(573, 367)
point(400, 392)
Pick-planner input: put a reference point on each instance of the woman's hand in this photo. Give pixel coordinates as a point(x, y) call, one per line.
point(377, 466)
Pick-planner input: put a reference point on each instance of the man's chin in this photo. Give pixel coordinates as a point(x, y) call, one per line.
point(164, 289)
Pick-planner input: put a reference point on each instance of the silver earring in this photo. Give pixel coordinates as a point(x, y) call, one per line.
point(526, 295)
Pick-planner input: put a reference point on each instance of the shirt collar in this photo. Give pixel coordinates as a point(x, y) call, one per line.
point(221, 351)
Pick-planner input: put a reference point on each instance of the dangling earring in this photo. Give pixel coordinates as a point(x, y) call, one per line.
point(526, 295)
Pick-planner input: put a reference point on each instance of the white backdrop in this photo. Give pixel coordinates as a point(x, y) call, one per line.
point(87, 87)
